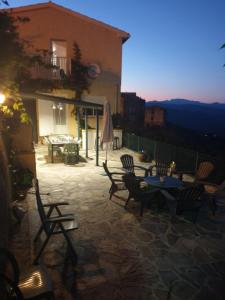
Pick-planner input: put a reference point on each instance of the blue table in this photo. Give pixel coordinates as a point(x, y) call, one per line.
point(168, 183)
point(166, 187)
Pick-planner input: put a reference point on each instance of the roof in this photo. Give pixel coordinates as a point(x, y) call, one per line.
point(122, 34)
point(50, 97)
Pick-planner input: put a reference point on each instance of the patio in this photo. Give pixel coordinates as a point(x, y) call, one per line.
point(120, 254)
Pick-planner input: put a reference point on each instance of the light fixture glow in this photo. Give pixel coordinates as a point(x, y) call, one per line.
point(53, 106)
point(2, 98)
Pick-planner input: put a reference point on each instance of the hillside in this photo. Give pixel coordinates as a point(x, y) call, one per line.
point(202, 117)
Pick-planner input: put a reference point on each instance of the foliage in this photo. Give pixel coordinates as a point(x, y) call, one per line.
point(15, 64)
point(78, 79)
point(4, 2)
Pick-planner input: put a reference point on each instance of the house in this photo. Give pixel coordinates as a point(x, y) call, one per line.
point(155, 116)
point(55, 28)
point(132, 109)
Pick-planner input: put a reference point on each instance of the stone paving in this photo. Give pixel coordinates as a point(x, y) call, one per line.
point(120, 254)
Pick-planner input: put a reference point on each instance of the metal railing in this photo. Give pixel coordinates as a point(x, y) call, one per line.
point(55, 68)
point(186, 159)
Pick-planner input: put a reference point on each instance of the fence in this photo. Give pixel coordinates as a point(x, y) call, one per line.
point(185, 159)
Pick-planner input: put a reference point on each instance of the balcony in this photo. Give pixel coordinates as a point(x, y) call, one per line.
point(62, 65)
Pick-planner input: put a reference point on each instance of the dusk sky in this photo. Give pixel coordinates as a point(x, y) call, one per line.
point(173, 51)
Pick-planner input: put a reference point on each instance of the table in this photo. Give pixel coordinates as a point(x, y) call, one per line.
point(169, 182)
point(57, 147)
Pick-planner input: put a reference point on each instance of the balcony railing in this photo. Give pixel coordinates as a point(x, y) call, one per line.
point(57, 67)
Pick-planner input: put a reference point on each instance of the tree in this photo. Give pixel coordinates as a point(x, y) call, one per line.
point(79, 79)
point(4, 2)
point(14, 72)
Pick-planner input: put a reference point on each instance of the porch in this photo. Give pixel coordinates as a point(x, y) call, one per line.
point(120, 254)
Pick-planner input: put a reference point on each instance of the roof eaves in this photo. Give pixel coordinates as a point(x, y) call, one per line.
point(122, 34)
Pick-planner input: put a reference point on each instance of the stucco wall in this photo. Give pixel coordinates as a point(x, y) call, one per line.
point(98, 44)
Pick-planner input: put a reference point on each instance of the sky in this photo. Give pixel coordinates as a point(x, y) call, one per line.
point(174, 48)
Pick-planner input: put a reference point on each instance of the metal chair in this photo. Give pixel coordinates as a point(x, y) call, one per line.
point(35, 284)
point(128, 165)
point(132, 183)
point(52, 225)
point(117, 183)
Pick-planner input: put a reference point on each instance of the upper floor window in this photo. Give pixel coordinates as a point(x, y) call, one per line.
point(59, 55)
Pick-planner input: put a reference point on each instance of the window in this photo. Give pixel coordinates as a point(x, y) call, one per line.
point(59, 113)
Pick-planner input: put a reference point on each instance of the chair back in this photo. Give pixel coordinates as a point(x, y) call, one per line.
point(40, 207)
point(132, 184)
point(161, 168)
point(71, 148)
point(205, 168)
point(9, 266)
point(190, 195)
point(127, 162)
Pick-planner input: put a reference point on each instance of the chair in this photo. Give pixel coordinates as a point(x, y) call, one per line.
point(187, 199)
point(117, 183)
point(132, 183)
point(51, 225)
point(205, 168)
point(71, 153)
point(128, 164)
point(35, 284)
point(160, 168)
point(216, 193)
point(53, 207)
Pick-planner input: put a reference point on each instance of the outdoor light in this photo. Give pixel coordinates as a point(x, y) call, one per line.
point(2, 98)
point(53, 106)
point(60, 107)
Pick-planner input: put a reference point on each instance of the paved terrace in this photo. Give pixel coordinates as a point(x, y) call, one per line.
point(120, 254)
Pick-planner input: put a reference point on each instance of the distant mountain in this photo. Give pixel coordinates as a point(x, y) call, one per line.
point(208, 118)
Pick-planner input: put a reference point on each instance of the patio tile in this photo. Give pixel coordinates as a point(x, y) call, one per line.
point(120, 254)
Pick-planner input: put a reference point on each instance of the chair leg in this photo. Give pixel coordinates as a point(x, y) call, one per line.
point(112, 191)
point(35, 262)
point(196, 216)
point(38, 234)
point(142, 207)
point(128, 199)
point(41, 227)
point(70, 245)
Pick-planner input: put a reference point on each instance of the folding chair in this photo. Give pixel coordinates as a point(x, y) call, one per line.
point(52, 225)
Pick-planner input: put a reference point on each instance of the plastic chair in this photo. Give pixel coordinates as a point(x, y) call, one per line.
point(61, 224)
point(187, 199)
point(132, 183)
point(71, 153)
point(205, 168)
point(117, 183)
point(128, 164)
point(35, 284)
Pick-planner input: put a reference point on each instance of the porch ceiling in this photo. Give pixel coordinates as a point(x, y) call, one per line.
point(50, 97)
